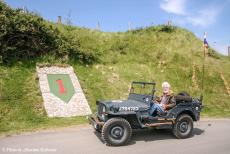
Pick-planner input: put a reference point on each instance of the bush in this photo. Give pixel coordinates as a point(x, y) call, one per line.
point(167, 28)
point(25, 36)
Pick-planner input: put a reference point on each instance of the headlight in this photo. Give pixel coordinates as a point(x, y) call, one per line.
point(103, 109)
point(103, 117)
point(103, 112)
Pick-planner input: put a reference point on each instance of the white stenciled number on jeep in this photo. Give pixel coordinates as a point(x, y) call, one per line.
point(125, 108)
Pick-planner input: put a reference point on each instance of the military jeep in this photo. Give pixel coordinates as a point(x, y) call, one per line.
point(115, 119)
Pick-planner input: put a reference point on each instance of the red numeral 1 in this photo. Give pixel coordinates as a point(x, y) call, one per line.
point(61, 86)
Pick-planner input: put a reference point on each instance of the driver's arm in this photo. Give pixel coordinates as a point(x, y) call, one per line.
point(171, 103)
point(158, 99)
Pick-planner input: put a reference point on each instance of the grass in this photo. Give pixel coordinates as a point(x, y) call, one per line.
point(148, 54)
point(22, 105)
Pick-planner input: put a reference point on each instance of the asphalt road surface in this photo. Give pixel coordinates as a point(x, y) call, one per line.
point(209, 137)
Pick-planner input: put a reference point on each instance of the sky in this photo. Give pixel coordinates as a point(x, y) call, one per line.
point(198, 16)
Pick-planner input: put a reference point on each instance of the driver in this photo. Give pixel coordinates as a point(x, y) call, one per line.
point(165, 102)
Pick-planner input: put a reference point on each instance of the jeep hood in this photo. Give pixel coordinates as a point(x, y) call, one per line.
point(125, 103)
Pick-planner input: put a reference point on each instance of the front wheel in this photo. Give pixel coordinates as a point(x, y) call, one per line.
point(116, 131)
point(183, 127)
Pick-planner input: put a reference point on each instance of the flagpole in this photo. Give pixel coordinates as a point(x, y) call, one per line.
point(202, 86)
point(204, 57)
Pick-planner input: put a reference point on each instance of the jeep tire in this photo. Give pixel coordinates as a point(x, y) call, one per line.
point(183, 126)
point(183, 93)
point(116, 132)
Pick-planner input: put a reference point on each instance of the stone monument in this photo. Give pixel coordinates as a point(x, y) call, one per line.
point(62, 92)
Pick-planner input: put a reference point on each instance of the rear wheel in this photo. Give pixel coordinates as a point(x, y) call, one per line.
point(116, 131)
point(183, 127)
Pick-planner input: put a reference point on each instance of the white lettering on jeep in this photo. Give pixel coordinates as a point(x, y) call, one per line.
point(125, 108)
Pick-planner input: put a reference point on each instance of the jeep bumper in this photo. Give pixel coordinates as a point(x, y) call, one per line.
point(94, 121)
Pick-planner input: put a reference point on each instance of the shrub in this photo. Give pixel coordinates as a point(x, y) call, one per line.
point(25, 36)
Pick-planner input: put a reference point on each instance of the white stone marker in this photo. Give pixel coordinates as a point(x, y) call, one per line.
point(56, 107)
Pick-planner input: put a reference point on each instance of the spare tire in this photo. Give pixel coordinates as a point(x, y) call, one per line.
point(183, 97)
point(183, 93)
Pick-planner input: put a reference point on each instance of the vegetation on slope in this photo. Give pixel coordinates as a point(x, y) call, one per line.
point(26, 36)
point(105, 63)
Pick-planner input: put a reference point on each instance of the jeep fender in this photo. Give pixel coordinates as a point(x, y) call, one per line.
point(190, 113)
point(132, 117)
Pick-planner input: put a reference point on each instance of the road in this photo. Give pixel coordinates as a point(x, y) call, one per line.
point(209, 137)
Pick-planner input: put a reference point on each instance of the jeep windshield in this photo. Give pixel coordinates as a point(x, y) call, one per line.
point(143, 88)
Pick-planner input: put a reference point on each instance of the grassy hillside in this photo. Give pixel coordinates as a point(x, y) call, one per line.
point(105, 63)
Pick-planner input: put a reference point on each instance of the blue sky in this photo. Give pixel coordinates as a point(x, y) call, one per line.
point(199, 16)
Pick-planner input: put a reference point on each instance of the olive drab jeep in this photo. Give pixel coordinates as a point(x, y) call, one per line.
point(115, 119)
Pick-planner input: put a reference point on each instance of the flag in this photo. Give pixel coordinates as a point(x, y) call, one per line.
point(205, 41)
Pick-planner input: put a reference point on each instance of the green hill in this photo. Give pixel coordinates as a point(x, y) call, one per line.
point(104, 62)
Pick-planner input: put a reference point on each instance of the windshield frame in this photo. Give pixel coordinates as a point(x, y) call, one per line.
point(143, 85)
